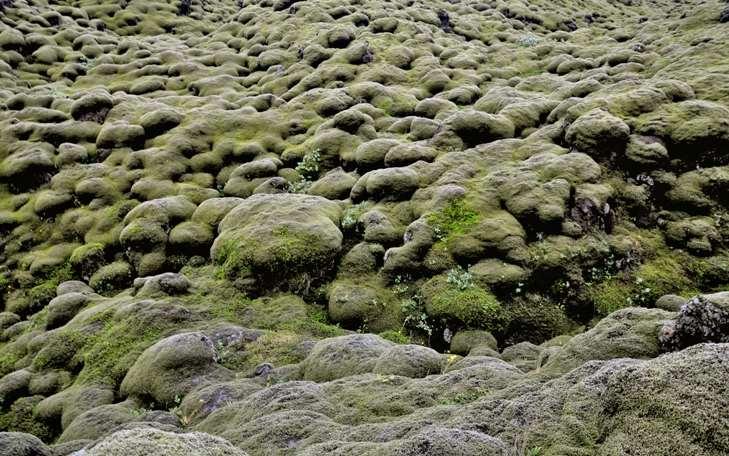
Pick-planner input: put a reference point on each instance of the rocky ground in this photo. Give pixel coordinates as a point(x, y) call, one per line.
point(364, 227)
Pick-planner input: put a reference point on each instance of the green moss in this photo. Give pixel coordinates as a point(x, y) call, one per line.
point(20, 418)
point(218, 299)
point(111, 277)
point(108, 355)
point(40, 295)
point(232, 309)
point(662, 275)
point(59, 274)
point(462, 397)
point(4, 286)
point(9, 356)
point(232, 263)
point(535, 319)
point(395, 336)
point(471, 305)
point(277, 348)
point(60, 350)
point(315, 324)
point(87, 252)
point(456, 218)
point(611, 295)
point(665, 275)
point(287, 252)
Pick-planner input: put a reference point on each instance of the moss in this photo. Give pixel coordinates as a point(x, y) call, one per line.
point(316, 324)
point(286, 252)
point(216, 298)
point(471, 305)
point(60, 351)
point(20, 418)
point(9, 357)
point(395, 336)
point(462, 397)
point(59, 274)
point(111, 277)
point(230, 310)
point(88, 258)
point(40, 295)
point(277, 348)
point(454, 219)
point(364, 304)
point(662, 275)
point(4, 287)
point(611, 295)
point(109, 354)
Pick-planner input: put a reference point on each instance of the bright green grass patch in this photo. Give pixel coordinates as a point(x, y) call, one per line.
point(454, 219)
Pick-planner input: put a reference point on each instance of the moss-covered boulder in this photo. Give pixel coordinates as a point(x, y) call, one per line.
point(475, 127)
point(409, 361)
point(20, 444)
point(458, 301)
point(599, 134)
point(63, 308)
point(363, 302)
point(146, 440)
point(629, 333)
point(465, 341)
point(342, 356)
point(287, 238)
point(99, 421)
point(172, 367)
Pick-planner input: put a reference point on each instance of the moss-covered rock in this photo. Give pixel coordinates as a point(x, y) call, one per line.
point(120, 134)
point(93, 106)
point(342, 356)
point(172, 367)
point(147, 439)
point(20, 444)
point(111, 277)
point(629, 333)
point(475, 127)
point(63, 308)
point(465, 304)
point(599, 134)
point(354, 303)
point(272, 236)
point(409, 361)
point(465, 341)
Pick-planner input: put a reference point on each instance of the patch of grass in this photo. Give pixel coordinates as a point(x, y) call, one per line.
point(309, 165)
point(395, 336)
point(642, 286)
point(473, 306)
point(352, 215)
point(454, 219)
point(315, 324)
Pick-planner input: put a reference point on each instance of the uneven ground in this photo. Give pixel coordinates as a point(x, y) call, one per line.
point(364, 227)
